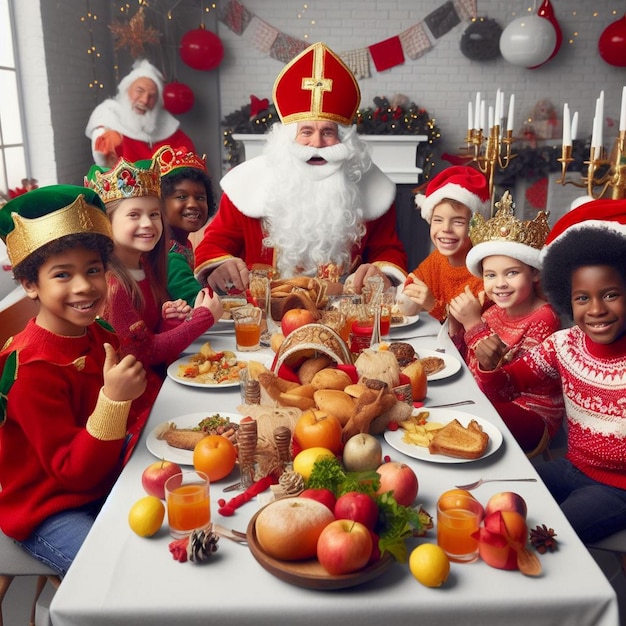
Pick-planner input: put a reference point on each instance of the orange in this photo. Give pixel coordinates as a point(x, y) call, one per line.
point(318, 429)
point(215, 456)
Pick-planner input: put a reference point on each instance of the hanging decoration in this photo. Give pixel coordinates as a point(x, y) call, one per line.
point(547, 12)
point(481, 40)
point(528, 41)
point(201, 49)
point(134, 35)
point(612, 43)
point(178, 98)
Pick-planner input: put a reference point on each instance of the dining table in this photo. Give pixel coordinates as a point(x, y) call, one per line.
point(119, 577)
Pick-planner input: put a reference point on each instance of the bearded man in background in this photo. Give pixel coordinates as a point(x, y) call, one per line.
point(313, 203)
point(134, 123)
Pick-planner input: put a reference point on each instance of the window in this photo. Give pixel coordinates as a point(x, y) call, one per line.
point(13, 166)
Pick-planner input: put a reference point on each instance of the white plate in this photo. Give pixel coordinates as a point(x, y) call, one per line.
point(172, 372)
point(163, 450)
point(453, 365)
point(394, 437)
point(408, 321)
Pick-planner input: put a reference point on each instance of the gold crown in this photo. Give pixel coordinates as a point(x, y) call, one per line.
point(504, 226)
point(170, 159)
point(125, 180)
point(31, 234)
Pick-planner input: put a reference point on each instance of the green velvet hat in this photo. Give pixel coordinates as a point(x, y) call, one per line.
point(42, 215)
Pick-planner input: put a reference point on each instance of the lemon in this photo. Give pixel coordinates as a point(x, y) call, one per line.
point(303, 462)
point(430, 565)
point(146, 516)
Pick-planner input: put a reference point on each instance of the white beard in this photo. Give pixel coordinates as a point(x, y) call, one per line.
point(141, 125)
point(314, 215)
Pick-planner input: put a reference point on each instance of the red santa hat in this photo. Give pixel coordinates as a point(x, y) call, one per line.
point(316, 85)
point(459, 182)
point(607, 215)
point(142, 68)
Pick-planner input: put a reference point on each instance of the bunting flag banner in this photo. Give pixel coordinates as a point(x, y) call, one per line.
point(442, 19)
point(236, 17)
point(415, 41)
point(286, 47)
point(358, 61)
point(466, 9)
point(263, 35)
point(387, 54)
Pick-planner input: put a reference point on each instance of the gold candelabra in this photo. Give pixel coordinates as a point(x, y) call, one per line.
point(490, 153)
point(613, 176)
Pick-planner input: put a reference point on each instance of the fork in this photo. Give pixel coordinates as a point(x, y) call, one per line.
point(480, 481)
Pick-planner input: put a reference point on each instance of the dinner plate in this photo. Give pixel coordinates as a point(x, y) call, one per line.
point(452, 364)
point(172, 372)
point(162, 450)
point(311, 574)
point(408, 321)
point(394, 437)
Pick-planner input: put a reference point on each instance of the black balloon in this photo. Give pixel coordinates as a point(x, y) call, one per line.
point(481, 40)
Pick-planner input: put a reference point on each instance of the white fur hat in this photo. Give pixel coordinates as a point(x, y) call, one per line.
point(459, 182)
point(520, 251)
point(142, 68)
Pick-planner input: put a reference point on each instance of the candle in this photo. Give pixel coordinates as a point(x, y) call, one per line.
point(497, 116)
point(482, 115)
point(594, 131)
point(567, 129)
point(477, 111)
point(509, 122)
point(574, 129)
point(501, 107)
point(470, 117)
point(596, 136)
point(622, 115)
point(490, 117)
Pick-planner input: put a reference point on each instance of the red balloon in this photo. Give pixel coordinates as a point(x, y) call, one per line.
point(612, 43)
point(177, 98)
point(201, 49)
point(547, 12)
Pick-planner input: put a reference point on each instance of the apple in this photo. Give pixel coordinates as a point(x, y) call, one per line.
point(506, 501)
point(318, 429)
point(154, 476)
point(362, 452)
point(325, 496)
point(375, 555)
point(503, 534)
point(358, 507)
point(400, 479)
point(294, 318)
point(344, 546)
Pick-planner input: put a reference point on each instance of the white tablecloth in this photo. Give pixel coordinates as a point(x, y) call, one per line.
point(120, 578)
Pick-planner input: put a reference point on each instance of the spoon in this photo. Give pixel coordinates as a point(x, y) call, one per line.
point(480, 481)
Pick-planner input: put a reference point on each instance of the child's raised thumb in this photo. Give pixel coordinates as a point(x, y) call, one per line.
point(110, 358)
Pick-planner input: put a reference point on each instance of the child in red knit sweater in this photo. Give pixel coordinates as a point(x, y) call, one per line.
point(584, 276)
point(506, 255)
point(65, 397)
point(451, 198)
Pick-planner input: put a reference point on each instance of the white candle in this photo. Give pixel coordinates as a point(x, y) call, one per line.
point(574, 129)
point(501, 107)
point(497, 115)
point(482, 115)
point(622, 115)
point(598, 123)
point(477, 111)
point(567, 129)
point(490, 117)
point(470, 117)
point(509, 121)
point(594, 131)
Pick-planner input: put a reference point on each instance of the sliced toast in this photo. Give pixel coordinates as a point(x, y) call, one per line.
point(457, 441)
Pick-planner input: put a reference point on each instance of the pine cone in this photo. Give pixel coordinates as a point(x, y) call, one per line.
point(543, 539)
point(202, 544)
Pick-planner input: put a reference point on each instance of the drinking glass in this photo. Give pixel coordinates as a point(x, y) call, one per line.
point(347, 305)
point(248, 321)
point(188, 502)
point(456, 521)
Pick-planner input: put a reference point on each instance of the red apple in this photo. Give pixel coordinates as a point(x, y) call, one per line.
point(325, 496)
point(358, 507)
point(154, 476)
point(506, 501)
point(344, 546)
point(375, 555)
point(400, 479)
point(294, 318)
point(503, 534)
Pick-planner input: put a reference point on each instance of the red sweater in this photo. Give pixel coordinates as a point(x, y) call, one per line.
point(48, 460)
point(593, 380)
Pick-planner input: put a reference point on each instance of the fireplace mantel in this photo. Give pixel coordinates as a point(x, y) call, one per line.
point(394, 154)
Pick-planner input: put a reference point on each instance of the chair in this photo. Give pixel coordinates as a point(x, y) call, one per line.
point(613, 543)
point(16, 562)
point(543, 447)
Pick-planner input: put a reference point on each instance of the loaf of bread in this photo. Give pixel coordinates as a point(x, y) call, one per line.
point(457, 441)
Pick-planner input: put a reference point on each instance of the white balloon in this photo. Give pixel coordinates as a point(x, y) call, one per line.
point(528, 41)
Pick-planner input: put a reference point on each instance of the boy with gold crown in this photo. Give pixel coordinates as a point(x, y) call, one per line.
point(65, 397)
point(313, 204)
point(506, 255)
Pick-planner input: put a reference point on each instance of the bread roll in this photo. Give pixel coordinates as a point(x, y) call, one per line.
point(335, 402)
point(331, 378)
point(301, 402)
point(310, 367)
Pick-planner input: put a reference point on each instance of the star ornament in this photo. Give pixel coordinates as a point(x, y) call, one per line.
point(134, 34)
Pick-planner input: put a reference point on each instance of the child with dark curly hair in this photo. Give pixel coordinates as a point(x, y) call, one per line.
point(584, 277)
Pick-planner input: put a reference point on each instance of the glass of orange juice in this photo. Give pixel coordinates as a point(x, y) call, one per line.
point(188, 502)
point(247, 327)
point(455, 524)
